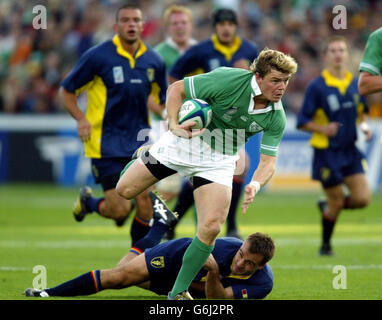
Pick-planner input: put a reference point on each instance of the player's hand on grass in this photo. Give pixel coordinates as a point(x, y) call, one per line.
point(84, 129)
point(185, 130)
point(249, 195)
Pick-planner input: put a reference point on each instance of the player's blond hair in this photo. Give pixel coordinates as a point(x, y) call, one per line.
point(175, 8)
point(269, 59)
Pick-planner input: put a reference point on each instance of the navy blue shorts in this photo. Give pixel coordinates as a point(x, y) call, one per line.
point(330, 167)
point(106, 171)
point(164, 262)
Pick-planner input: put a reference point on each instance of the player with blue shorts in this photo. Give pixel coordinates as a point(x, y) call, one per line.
point(331, 109)
point(119, 75)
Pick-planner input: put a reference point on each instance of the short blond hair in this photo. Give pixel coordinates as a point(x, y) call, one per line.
point(269, 59)
point(175, 8)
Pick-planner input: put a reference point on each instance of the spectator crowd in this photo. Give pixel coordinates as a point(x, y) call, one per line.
point(33, 62)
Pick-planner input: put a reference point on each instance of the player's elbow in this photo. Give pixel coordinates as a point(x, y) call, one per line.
point(364, 84)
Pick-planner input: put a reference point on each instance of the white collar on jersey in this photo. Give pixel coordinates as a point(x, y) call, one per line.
point(172, 44)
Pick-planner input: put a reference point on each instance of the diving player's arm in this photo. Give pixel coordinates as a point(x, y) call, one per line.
point(70, 104)
point(260, 178)
point(213, 287)
point(368, 83)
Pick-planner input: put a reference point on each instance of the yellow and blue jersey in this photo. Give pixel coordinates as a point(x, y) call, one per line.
point(329, 99)
point(211, 54)
point(165, 260)
point(118, 86)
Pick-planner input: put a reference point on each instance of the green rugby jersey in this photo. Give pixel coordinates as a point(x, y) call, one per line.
point(230, 92)
point(372, 57)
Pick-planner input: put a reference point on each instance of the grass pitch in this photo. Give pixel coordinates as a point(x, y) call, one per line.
point(37, 229)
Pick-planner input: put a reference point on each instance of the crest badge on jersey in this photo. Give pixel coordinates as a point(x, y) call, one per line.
point(255, 127)
point(118, 74)
point(150, 74)
point(157, 262)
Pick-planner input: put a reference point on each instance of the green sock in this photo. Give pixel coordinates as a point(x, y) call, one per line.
point(193, 260)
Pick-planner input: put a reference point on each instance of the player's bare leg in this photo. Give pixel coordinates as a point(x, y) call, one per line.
point(136, 179)
point(212, 202)
point(360, 195)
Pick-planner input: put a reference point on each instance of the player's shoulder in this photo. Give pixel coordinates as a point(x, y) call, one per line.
point(153, 55)
point(229, 242)
point(248, 44)
point(203, 45)
point(376, 35)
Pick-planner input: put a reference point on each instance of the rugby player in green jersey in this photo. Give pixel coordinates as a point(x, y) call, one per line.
point(370, 79)
point(244, 103)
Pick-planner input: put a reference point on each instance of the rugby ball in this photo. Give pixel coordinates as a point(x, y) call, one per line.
point(195, 110)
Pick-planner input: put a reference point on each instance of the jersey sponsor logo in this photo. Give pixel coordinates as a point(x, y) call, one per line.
point(136, 81)
point(333, 102)
point(118, 74)
point(255, 127)
point(157, 262)
point(228, 114)
point(214, 63)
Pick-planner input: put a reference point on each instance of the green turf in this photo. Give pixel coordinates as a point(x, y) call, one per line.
point(37, 228)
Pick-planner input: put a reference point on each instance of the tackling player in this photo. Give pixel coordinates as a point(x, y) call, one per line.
point(224, 48)
point(119, 76)
point(330, 111)
point(234, 270)
point(243, 103)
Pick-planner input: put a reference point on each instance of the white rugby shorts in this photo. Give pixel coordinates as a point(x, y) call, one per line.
point(193, 157)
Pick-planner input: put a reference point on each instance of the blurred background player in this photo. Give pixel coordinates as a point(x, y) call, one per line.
point(224, 48)
point(178, 22)
point(370, 78)
point(235, 269)
point(119, 76)
point(331, 109)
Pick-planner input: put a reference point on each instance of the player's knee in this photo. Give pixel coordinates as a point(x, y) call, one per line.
point(361, 202)
point(211, 229)
point(124, 190)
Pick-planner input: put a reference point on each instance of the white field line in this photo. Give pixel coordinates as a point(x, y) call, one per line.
point(126, 244)
point(275, 267)
point(328, 267)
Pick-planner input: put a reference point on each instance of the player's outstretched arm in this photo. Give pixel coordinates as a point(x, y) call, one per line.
point(261, 177)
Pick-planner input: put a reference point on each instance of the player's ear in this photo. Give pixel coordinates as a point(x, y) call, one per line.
point(258, 77)
point(115, 27)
